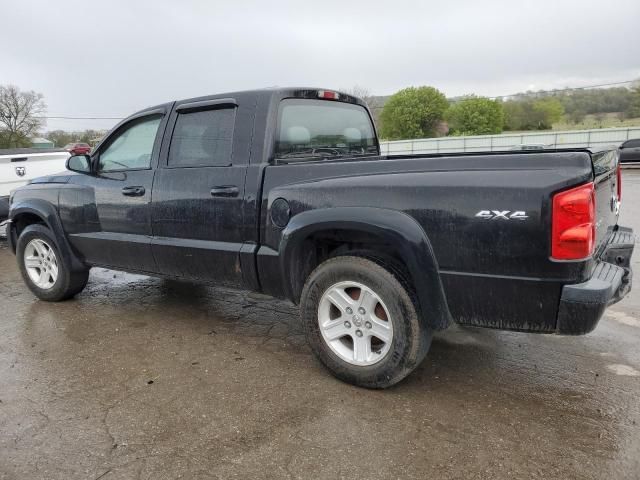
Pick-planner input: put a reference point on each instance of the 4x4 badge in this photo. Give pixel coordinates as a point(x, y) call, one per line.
point(502, 215)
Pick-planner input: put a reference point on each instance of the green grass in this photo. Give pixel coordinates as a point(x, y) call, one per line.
point(605, 120)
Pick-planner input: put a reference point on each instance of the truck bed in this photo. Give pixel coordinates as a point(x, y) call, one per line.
point(507, 259)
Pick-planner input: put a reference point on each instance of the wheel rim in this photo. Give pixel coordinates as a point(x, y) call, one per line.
point(355, 323)
point(41, 263)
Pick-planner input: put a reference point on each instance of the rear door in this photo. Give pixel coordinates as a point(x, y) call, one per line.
point(198, 192)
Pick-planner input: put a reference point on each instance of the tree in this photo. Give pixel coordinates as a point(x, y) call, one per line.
point(475, 116)
point(634, 104)
point(515, 115)
point(577, 116)
point(19, 115)
point(363, 93)
point(577, 103)
point(91, 136)
point(414, 112)
point(532, 114)
point(547, 111)
point(61, 137)
point(598, 100)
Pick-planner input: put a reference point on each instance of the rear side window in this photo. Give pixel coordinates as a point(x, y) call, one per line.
point(202, 139)
point(312, 128)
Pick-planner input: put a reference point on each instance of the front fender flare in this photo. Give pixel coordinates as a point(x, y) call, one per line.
point(49, 215)
point(395, 227)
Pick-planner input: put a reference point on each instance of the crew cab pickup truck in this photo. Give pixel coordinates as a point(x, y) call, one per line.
point(284, 191)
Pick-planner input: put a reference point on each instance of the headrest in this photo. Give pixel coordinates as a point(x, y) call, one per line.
point(298, 135)
point(352, 134)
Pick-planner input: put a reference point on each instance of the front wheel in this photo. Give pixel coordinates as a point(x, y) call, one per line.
point(43, 268)
point(362, 322)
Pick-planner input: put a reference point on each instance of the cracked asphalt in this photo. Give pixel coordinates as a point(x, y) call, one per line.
point(142, 378)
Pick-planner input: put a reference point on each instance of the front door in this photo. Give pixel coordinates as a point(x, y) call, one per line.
point(198, 193)
point(117, 216)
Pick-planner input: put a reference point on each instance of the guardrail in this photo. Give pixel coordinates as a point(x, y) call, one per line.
point(490, 143)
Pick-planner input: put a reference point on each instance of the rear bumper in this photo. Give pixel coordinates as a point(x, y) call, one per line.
point(582, 305)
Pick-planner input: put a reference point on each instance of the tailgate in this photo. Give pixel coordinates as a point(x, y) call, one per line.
point(606, 171)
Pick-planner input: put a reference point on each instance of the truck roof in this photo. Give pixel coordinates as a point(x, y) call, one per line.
point(278, 92)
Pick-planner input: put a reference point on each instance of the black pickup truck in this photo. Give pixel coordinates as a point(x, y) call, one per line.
point(284, 191)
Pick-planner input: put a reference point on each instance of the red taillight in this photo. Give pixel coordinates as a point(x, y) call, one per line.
point(326, 94)
point(573, 223)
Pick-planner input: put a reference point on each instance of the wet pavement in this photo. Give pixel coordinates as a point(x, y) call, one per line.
point(145, 378)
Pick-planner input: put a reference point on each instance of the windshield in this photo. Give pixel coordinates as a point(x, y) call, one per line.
point(321, 128)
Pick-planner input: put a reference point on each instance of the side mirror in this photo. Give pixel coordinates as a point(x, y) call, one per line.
point(79, 163)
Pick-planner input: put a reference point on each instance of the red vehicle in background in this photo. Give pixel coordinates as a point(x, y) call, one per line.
point(78, 148)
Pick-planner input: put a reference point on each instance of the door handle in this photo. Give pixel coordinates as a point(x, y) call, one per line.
point(133, 191)
point(225, 191)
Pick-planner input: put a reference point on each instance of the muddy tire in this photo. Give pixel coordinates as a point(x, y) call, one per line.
point(43, 268)
point(362, 321)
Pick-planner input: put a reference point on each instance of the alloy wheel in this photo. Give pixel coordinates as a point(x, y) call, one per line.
point(355, 323)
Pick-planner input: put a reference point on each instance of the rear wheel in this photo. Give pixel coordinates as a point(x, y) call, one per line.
point(43, 268)
point(362, 322)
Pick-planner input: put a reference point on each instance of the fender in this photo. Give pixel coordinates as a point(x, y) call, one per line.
point(394, 227)
point(49, 215)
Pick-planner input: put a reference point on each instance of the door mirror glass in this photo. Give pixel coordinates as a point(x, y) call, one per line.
point(79, 163)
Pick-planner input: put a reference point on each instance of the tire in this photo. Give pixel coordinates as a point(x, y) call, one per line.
point(365, 281)
point(65, 284)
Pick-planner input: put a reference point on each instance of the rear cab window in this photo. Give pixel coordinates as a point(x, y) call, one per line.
point(317, 129)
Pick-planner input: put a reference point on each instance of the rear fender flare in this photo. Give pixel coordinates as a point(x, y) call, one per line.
point(395, 227)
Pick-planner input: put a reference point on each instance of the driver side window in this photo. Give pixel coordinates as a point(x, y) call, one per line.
point(131, 149)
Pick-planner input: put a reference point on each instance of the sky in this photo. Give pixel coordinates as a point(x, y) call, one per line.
point(110, 58)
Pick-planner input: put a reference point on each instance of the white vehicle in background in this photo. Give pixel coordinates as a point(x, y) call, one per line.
point(20, 165)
